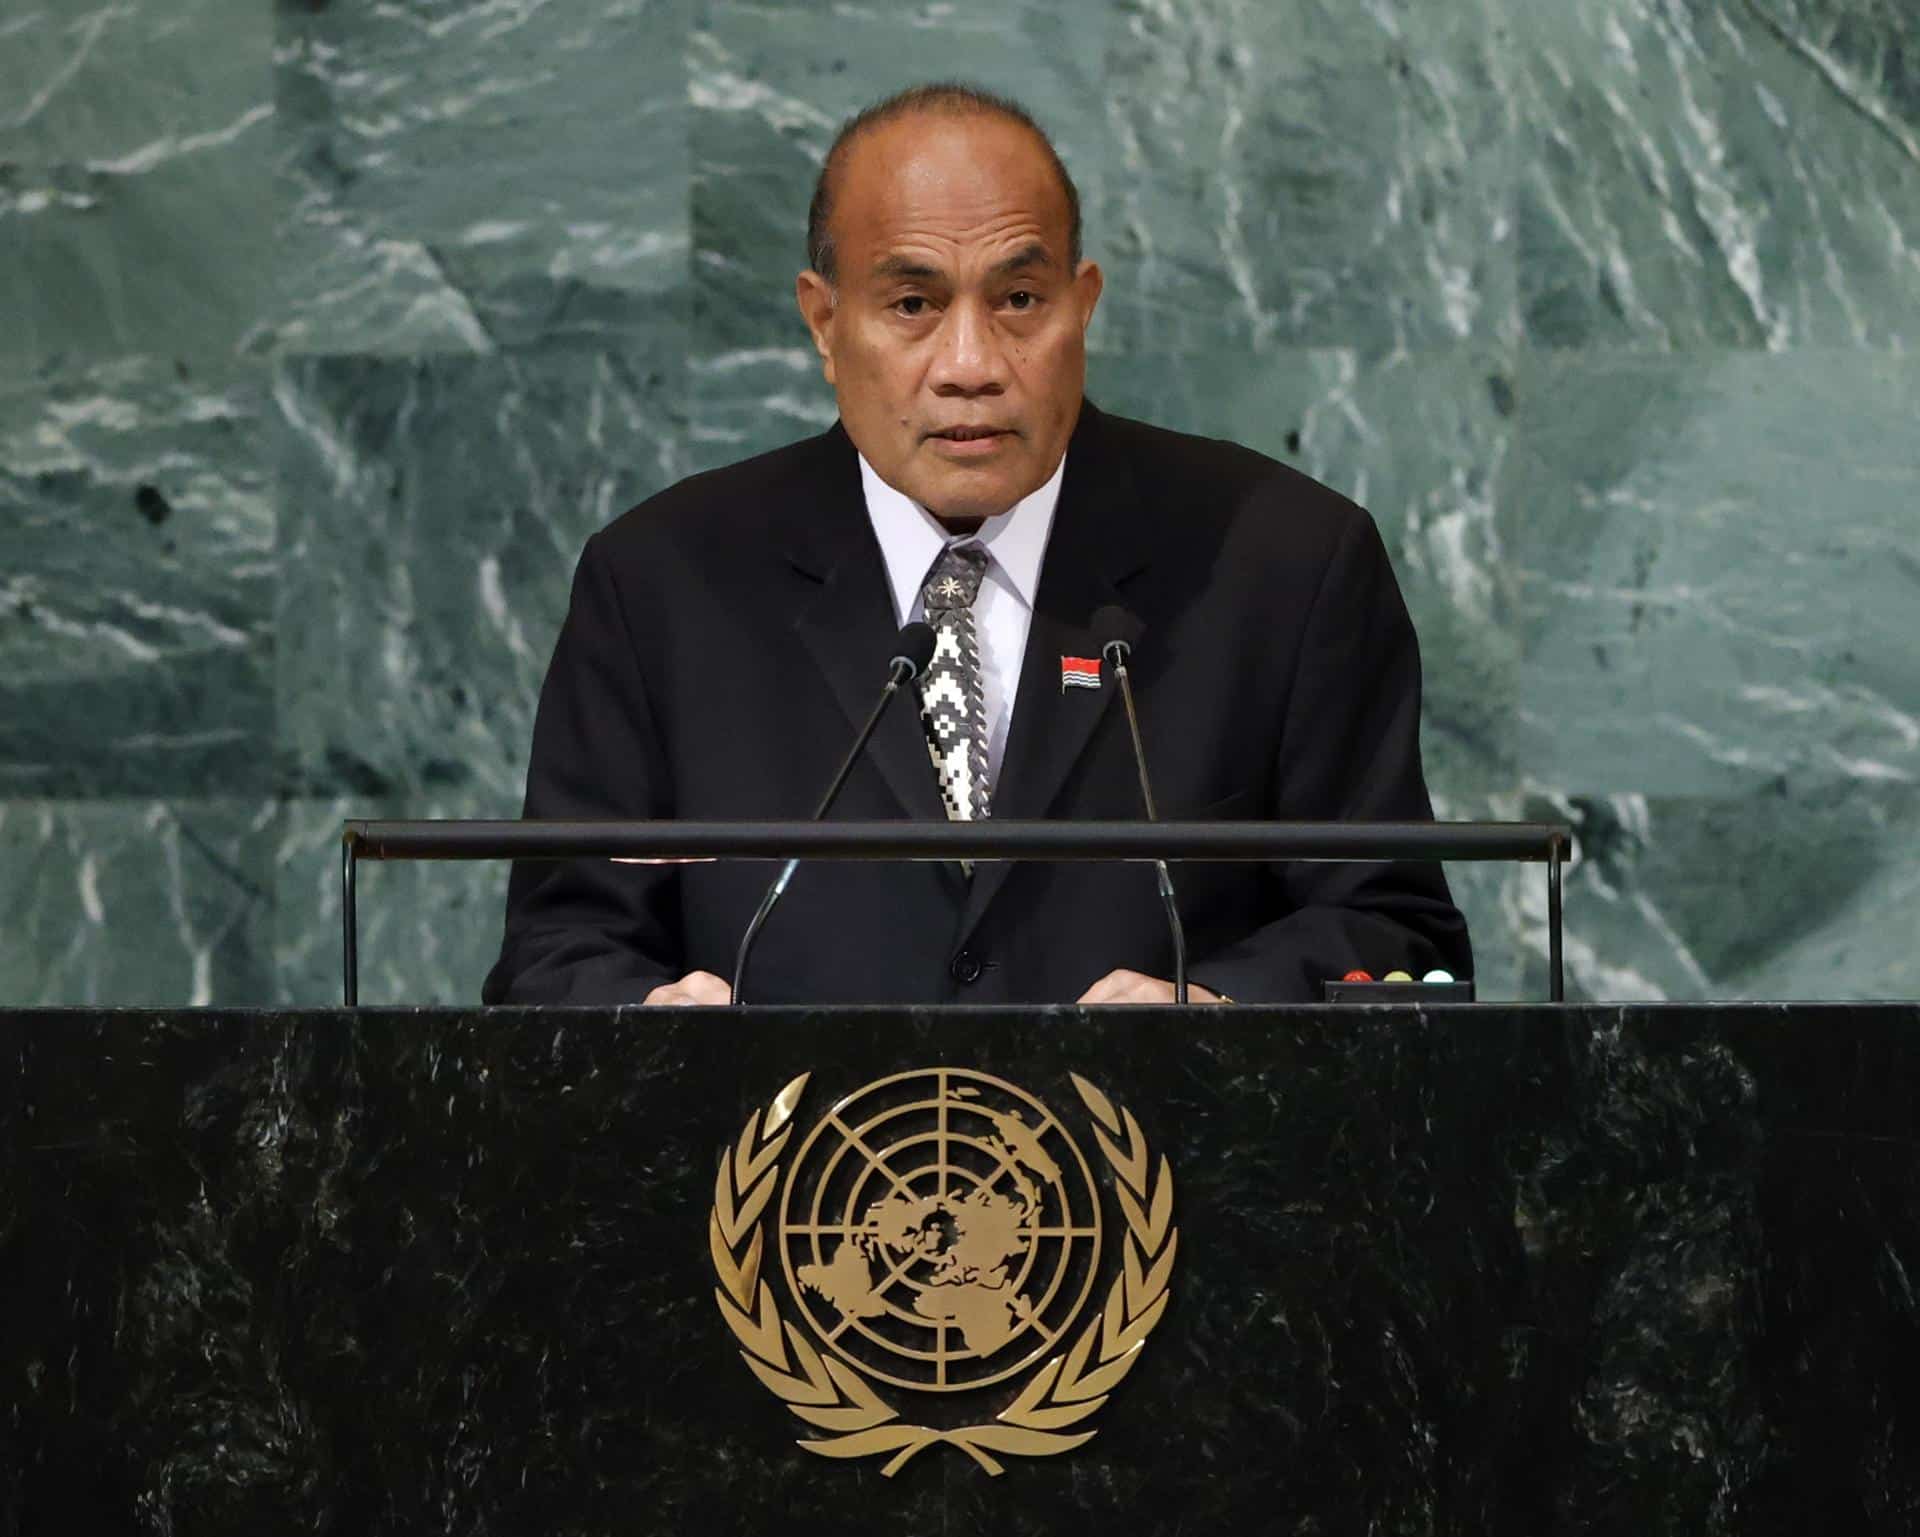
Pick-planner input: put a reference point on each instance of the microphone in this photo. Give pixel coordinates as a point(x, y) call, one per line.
point(1116, 651)
point(912, 651)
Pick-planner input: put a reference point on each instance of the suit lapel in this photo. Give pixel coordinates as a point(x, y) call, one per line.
point(1099, 540)
point(846, 625)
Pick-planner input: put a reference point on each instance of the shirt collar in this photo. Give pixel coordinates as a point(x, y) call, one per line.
point(911, 538)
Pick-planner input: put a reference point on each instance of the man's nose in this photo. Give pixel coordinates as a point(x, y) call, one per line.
point(968, 359)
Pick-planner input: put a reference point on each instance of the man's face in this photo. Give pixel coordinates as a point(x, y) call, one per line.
point(955, 335)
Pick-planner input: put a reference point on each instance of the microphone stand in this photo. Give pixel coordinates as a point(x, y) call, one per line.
point(900, 670)
point(1116, 652)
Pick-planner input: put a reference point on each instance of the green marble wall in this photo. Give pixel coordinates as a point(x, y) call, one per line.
point(328, 333)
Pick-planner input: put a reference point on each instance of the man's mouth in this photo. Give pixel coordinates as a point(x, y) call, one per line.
point(968, 434)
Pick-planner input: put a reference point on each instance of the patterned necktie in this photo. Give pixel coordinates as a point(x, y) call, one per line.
point(951, 702)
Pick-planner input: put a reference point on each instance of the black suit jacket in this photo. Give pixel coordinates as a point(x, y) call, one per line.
point(727, 637)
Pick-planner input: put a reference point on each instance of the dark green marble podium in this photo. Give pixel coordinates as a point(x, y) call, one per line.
point(1487, 1270)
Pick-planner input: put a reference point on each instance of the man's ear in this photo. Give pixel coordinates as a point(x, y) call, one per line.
point(814, 294)
point(1088, 282)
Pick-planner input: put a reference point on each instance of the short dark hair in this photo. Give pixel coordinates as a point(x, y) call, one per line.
point(949, 98)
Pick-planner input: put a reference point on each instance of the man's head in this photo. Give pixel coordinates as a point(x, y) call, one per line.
point(948, 299)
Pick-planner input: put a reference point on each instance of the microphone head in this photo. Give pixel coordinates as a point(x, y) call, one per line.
point(913, 649)
point(1116, 624)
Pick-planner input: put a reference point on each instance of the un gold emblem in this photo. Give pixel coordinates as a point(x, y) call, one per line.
point(938, 1234)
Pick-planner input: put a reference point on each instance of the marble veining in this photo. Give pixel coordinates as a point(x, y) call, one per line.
point(114, 901)
point(465, 178)
point(136, 206)
point(1611, 1270)
point(330, 329)
point(1699, 175)
point(136, 587)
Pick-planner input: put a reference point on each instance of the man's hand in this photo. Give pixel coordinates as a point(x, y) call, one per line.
point(1131, 987)
point(694, 987)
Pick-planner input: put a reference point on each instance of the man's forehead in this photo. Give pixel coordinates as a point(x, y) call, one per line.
point(1030, 254)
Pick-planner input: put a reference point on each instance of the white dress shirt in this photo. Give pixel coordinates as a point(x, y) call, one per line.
point(911, 540)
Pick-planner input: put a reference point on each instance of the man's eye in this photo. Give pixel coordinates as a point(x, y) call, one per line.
point(1021, 299)
point(911, 306)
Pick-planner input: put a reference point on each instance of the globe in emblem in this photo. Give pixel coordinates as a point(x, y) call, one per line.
point(940, 1229)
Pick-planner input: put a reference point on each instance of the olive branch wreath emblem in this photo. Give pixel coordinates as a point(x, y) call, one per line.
point(831, 1396)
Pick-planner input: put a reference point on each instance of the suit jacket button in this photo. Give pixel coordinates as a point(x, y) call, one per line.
point(966, 967)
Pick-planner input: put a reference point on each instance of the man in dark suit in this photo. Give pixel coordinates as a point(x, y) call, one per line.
point(726, 638)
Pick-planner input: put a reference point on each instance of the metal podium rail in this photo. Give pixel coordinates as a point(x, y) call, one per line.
point(1469, 842)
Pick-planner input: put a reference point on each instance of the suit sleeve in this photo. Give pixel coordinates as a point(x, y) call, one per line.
point(590, 931)
point(1349, 751)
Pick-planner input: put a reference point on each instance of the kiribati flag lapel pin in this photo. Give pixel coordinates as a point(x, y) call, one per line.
point(1079, 672)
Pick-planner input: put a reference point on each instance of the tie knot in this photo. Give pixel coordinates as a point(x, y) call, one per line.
point(954, 581)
